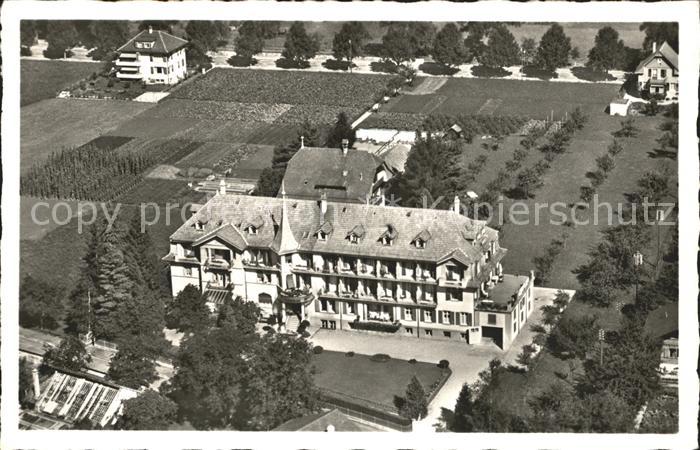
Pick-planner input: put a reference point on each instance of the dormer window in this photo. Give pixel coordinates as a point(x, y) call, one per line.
point(250, 229)
point(324, 231)
point(387, 238)
point(422, 239)
point(198, 225)
point(322, 236)
point(356, 234)
point(144, 44)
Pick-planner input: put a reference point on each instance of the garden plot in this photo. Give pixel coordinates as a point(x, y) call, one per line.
point(208, 155)
point(273, 135)
point(143, 126)
point(221, 131)
point(296, 88)
point(418, 104)
point(218, 110)
point(326, 114)
point(428, 85)
point(258, 158)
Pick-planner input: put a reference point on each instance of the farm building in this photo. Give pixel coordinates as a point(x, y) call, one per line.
point(154, 57)
point(620, 106)
point(342, 175)
point(657, 74)
point(422, 273)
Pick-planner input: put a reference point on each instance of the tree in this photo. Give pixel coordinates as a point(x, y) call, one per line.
point(574, 335)
point(70, 355)
point(422, 36)
point(528, 51)
point(527, 181)
point(628, 128)
point(502, 50)
point(39, 303)
point(248, 45)
point(608, 51)
point(398, 45)
point(415, 404)
point(578, 118)
point(149, 411)
point(474, 43)
point(280, 384)
point(448, 48)
point(299, 47)
point(134, 364)
point(654, 186)
point(115, 286)
point(188, 312)
point(26, 387)
point(605, 163)
point(27, 33)
point(108, 35)
point(341, 130)
point(206, 33)
point(659, 32)
point(614, 148)
point(463, 421)
point(553, 409)
point(349, 41)
point(575, 53)
point(239, 314)
point(269, 182)
point(587, 193)
point(196, 56)
point(79, 315)
point(61, 36)
point(553, 51)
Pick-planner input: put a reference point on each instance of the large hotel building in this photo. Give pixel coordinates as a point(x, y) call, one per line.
point(422, 273)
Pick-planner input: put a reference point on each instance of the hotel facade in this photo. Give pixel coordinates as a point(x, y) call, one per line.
point(421, 273)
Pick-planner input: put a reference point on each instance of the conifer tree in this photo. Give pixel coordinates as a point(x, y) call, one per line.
point(415, 404)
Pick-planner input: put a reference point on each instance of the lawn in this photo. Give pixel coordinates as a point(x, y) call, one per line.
point(36, 228)
point(54, 124)
point(40, 80)
point(154, 190)
point(374, 382)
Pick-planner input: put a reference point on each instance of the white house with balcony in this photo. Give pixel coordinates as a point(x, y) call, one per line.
point(154, 57)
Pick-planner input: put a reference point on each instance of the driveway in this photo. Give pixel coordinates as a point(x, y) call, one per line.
point(466, 361)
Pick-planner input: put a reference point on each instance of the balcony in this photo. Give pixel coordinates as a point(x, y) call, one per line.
point(364, 273)
point(218, 263)
point(126, 63)
point(296, 296)
point(260, 265)
point(503, 295)
point(129, 76)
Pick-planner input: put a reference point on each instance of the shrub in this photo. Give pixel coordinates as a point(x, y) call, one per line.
point(284, 63)
point(241, 61)
point(433, 68)
point(25, 51)
point(412, 361)
point(588, 74)
point(383, 66)
point(334, 64)
point(375, 326)
point(489, 72)
point(318, 350)
point(536, 72)
point(443, 364)
point(380, 357)
point(350, 354)
point(110, 83)
point(127, 84)
point(305, 334)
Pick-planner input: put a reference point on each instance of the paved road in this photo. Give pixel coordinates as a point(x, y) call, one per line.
point(466, 361)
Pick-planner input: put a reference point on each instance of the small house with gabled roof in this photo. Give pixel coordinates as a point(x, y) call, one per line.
point(657, 74)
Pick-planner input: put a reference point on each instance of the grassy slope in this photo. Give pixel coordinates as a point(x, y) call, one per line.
point(45, 79)
point(53, 124)
point(358, 376)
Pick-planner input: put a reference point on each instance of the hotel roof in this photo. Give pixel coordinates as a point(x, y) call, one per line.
point(451, 235)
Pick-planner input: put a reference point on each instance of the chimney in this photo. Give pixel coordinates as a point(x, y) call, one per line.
point(456, 204)
point(532, 276)
point(344, 145)
point(150, 29)
point(653, 47)
point(324, 208)
point(222, 187)
point(302, 142)
point(37, 385)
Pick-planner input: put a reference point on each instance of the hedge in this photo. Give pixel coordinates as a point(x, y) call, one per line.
point(383, 327)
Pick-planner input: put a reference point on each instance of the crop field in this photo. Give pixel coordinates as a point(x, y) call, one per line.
point(295, 88)
point(534, 99)
point(154, 190)
point(40, 80)
point(218, 110)
point(257, 160)
point(50, 125)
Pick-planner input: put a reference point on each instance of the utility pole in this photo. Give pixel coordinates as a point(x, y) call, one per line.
point(638, 260)
point(350, 52)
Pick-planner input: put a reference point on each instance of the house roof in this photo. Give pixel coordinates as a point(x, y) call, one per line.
point(163, 43)
point(665, 52)
point(315, 170)
point(321, 421)
point(449, 231)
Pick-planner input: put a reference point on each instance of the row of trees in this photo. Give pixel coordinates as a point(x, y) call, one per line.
point(88, 172)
